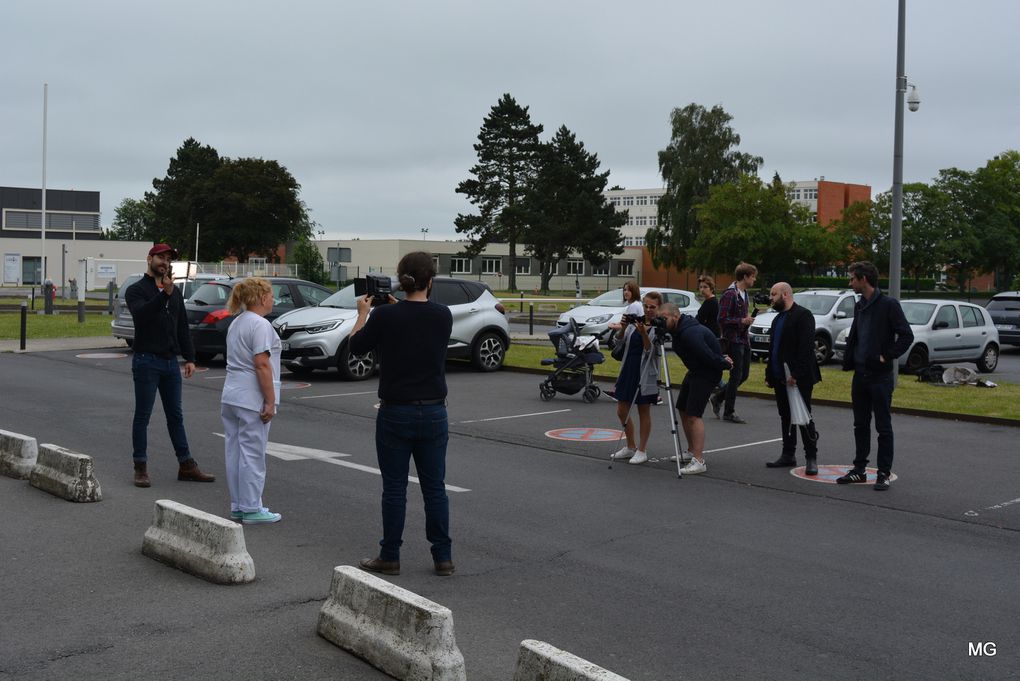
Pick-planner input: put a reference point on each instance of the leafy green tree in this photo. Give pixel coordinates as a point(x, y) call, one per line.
point(179, 199)
point(919, 254)
point(309, 259)
point(567, 209)
point(701, 154)
point(507, 151)
point(859, 235)
point(952, 211)
point(244, 206)
point(133, 221)
point(750, 221)
point(996, 205)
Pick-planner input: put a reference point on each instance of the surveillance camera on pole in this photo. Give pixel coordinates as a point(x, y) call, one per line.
point(913, 98)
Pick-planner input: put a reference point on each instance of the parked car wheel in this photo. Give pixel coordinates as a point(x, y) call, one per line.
point(989, 360)
point(823, 348)
point(355, 367)
point(488, 352)
point(917, 359)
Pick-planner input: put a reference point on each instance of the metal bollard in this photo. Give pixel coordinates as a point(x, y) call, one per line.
point(81, 311)
point(33, 297)
point(24, 323)
point(47, 291)
point(522, 301)
point(111, 291)
point(531, 319)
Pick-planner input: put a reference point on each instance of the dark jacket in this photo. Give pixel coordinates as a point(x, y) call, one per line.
point(889, 334)
point(698, 349)
point(796, 348)
point(161, 322)
point(708, 315)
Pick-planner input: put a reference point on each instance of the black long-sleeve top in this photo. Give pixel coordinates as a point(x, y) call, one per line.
point(410, 340)
point(161, 322)
point(708, 315)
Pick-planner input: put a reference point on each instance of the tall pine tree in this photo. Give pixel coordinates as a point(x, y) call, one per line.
point(507, 151)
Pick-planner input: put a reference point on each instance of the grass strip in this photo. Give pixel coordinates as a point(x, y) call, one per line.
point(63, 325)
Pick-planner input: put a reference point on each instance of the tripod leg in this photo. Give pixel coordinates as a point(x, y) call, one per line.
point(672, 418)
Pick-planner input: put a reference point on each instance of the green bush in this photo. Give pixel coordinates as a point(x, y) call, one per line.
point(844, 282)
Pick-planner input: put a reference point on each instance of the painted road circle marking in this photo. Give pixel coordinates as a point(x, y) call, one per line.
point(829, 473)
point(585, 434)
point(101, 355)
point(293, 385)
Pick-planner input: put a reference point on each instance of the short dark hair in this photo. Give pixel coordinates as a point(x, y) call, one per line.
point(708, 281)
point(744, 269)
point(415, 270)
point(865, 270)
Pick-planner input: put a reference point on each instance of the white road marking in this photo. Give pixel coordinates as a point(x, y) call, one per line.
point(295, 453)
point(516, 416)
point(315, 397)
point(749, 444)
point(996, 507)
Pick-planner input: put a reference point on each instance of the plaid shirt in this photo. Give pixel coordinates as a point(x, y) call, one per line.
point(732, 309)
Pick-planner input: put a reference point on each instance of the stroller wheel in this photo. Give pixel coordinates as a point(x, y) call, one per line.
point(545, 392)
point(591, 393)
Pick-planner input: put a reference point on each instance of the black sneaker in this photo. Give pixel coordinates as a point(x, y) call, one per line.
point(883, 482)
point(854, 475)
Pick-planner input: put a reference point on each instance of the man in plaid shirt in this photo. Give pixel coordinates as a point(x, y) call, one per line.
point(734, 320)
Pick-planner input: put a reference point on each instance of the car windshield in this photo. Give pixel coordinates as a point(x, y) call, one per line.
point(609, 299)
point(211, 294)
point(815, 303)
point(1002, 304)
point(345, 298)
point(917, 313)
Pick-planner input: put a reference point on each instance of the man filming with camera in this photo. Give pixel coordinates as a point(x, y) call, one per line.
point(699, 350)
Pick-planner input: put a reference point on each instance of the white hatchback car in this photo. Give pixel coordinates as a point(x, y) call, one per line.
point(594, 318)
point(316, 337)
point(946, 331)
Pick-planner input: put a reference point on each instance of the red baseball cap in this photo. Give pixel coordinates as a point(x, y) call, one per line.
point(163, 248)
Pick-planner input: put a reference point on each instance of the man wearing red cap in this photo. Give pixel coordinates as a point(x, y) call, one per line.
point(161, 334)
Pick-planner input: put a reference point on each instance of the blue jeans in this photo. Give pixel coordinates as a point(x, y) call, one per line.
point(152, 374)
point(403, 432)
point(872, 394)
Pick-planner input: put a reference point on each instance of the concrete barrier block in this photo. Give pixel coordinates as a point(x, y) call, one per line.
point(539, 661)
point(17, 454)
point(403, 634)
point(66, 474)
point(198, 543)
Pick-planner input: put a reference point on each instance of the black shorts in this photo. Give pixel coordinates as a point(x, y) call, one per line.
point(694, 394)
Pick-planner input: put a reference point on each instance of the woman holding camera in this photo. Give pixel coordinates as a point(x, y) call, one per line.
point(638, 382)
point(412, 418)
point(251, 393)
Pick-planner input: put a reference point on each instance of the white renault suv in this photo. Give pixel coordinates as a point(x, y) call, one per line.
point(833, 310)
point(316, 337)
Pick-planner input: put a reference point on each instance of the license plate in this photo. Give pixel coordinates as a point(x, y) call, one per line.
point(1005, 327)
point(760, 339)
point(286, 345)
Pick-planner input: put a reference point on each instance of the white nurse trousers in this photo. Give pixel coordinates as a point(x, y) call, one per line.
point(245, 439)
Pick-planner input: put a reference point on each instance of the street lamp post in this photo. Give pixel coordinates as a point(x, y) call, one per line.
point(914, 101)
point(424, 231)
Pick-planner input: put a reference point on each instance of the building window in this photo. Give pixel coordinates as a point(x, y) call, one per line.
point(460, 265)
point(615, 200)
point(625, 268)
point(523, 266)
point(628, 200)
point(642, 220)
point(575, 267)
point(491, 266)
point(64, 222)
point(600, 270)
point(435, 263)
point(642, 200)
point(653, 220)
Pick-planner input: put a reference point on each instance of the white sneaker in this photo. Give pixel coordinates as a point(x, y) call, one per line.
point(694, 467)
point(624, 453)
point(639, 457)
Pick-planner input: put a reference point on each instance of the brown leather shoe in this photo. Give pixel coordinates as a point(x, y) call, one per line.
point(190, 471)
point(383, 567)
point(444, 568)
point(141, 476)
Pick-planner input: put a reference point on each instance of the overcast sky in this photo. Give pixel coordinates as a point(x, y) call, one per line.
point(373, 107)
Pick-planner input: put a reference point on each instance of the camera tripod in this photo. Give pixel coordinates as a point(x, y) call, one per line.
point(658, 342)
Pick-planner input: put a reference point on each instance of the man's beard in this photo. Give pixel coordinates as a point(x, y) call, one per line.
point(779, 305)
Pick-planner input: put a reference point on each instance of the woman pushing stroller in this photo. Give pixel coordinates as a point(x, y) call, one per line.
point(638, 382)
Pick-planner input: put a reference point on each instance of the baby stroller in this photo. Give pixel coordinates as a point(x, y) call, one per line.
point(574, 363)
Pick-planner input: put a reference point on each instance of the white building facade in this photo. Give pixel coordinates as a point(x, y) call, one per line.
point(642, 206)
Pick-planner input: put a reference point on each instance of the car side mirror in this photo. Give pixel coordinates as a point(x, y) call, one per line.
point(941, 325)
point(840, 314)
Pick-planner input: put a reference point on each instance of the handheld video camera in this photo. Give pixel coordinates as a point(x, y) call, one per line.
point(659, 323)
point(379, 286)
point(633, 318)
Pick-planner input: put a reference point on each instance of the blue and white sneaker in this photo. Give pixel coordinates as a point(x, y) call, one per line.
point(236, 515)
point(260, 517)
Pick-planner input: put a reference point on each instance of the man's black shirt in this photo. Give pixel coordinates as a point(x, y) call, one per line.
point(161, 322)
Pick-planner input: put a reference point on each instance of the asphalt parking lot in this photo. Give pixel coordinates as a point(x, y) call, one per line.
point(745, 572)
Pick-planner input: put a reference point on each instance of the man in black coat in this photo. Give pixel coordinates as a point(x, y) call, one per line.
point(792, 344)
point(879, 335)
